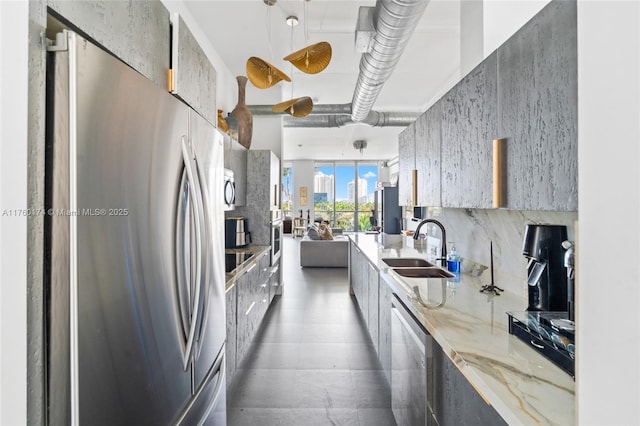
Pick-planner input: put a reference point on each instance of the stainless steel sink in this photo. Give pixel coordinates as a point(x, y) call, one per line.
point(406, 262)
point(433, 272)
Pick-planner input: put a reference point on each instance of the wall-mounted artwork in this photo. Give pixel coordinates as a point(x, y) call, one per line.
point(303, 195)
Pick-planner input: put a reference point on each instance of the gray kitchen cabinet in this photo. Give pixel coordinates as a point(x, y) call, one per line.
point(454, 401)
point(359, 274)
point(384, 328)
point(406, 164)
point(194, 77)
point(246, 324)
point(419, 149)
point(373, 299)
point(428, 156)
point(538, 111)
point(247, 303)
point(363, 277)
point(263, 187)
point(230, 347)
point(469, 125)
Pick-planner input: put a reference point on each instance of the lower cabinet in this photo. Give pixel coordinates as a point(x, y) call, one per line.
point(372, 300)
point(248, 306)
point(230, 347)
point(247, 303)
point(384, 328)
point(453, 400)
point(359, 280)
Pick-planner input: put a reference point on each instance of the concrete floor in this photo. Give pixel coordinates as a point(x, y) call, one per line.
point(312, 361)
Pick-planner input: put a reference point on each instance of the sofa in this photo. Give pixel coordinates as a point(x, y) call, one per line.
point(317, 253)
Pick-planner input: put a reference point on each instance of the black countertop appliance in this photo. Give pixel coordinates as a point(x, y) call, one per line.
point(547, 279)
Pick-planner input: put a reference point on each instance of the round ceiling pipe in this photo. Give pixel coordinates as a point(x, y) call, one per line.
point(395, 21)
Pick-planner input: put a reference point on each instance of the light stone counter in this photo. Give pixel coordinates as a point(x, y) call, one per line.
point(472, 329)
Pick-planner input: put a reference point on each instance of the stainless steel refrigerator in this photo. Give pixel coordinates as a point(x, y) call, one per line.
point(135, 231)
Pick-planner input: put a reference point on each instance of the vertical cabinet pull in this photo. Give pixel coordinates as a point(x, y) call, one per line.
point(414, 187)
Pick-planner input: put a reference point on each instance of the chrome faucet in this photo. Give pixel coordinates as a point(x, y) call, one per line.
point(443, 254)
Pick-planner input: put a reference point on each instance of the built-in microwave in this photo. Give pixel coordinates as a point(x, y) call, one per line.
point(229, 190)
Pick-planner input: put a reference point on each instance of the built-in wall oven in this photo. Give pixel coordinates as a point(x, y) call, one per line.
point(276, 235)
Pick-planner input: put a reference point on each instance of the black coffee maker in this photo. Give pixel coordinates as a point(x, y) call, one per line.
point(547, 277)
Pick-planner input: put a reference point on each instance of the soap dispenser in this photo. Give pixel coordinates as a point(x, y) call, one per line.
point(453, 259)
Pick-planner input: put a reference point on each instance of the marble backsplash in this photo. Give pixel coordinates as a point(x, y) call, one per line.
point(473, 230)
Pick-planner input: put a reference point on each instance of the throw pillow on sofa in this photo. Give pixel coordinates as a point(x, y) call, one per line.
point(325, 232)
point(313, 232)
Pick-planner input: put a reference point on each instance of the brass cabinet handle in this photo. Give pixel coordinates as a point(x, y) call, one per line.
point(414, 187)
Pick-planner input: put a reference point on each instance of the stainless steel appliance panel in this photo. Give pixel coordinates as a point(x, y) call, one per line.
point(129, 157)
point(209, 149)
point(408, 369)
point(121, 140)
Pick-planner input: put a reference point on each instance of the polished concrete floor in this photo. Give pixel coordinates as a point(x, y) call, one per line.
point(312, 361)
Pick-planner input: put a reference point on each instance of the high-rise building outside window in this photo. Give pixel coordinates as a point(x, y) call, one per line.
point(337, 197)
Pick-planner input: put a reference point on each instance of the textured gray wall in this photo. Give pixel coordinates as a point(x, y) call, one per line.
point(469, 112)
point(195, 77)
point(538, 101)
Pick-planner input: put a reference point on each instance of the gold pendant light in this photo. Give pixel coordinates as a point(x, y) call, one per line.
point(298, 107)
point(262, 74)
point(312, 59)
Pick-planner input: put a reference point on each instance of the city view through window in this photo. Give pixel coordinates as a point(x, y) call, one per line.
point(337, 198)
point(343, 197)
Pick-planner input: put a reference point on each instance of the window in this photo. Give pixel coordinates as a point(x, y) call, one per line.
point(367, 178)
point(324, 192)
point(287, 190)
point(343, 193)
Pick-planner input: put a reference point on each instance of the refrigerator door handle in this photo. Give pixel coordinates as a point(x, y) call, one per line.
point(195, 195)
point(183, 240)
point(203, 280)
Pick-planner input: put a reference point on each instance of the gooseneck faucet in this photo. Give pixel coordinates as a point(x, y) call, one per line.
point(443, 254)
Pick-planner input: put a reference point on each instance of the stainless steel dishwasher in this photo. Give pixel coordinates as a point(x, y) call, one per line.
point(411, 349)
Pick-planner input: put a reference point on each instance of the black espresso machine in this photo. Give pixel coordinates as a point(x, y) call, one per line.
point(546, 273)
point(547, 326)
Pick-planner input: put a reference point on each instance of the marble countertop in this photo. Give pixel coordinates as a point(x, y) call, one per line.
point(258, 252)
point(472, 329)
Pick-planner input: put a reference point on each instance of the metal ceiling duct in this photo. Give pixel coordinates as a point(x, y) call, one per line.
point(339, 115)
point(395, 21)
point(374, 118)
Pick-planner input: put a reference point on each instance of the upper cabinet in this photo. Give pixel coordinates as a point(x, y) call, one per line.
point(419, 150)
point(406, 165)
point(194, 78)
point(537, 102)
point(469, 124)
point(526, 93)
point(428, 145)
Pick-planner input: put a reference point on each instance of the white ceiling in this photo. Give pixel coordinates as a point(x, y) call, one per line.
point(239, 29)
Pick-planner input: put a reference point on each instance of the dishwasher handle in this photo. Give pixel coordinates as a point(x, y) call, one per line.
point(409, 322)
